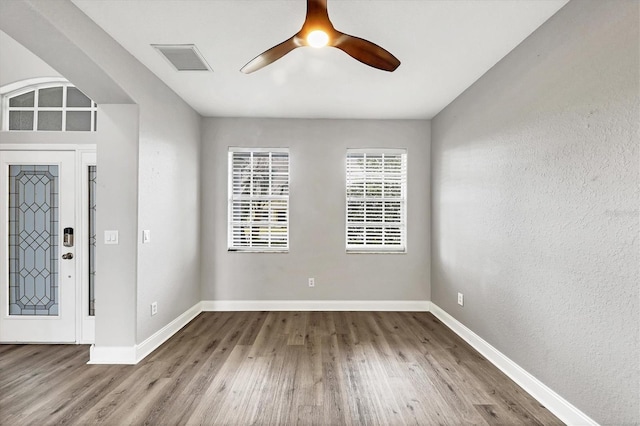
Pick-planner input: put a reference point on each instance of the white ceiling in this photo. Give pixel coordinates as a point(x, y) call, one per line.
point(444, 47)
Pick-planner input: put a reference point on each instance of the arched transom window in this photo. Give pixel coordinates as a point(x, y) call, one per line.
point(48, 107)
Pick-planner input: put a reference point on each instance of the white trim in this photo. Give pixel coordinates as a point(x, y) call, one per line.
point(369, 247)
point(257, 149)
point(377, 150)
point(86, 323)
point(377, 250)
point(162, 335)
point(234, 224)
point(559, 406)
point(112, 354)
point(136, 353)
point(316, 305)
point(25, 84)
point(78, 246)
point(47, 147)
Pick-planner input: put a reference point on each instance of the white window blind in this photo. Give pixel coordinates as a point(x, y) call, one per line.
point(258, 199)
point(376, 200)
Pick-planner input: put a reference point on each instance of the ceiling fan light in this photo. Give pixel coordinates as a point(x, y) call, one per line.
point(317, 38)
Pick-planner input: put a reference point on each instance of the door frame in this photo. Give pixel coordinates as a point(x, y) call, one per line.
point(85, 323)
point(85, 155)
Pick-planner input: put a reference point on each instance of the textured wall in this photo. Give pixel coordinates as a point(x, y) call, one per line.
point(535, 207)
point(317, 214)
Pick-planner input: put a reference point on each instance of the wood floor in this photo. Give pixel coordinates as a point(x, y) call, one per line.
point(242, 368)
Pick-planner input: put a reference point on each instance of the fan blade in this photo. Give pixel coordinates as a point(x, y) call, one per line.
point(366, 52)
point(271, 55)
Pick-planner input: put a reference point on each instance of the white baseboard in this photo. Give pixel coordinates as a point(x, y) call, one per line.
point(112, 354)
point(560, 407)
point(135, 354)
point(316, 305)
point(158, 338)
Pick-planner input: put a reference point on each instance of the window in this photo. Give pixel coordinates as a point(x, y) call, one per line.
point(49, 107)
point(92, 187)
point(376, 200)
point(258, 199)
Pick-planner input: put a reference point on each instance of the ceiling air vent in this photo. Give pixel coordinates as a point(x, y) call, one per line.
point(184, 57)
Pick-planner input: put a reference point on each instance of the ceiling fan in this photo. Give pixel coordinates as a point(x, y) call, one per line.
point(318, 31)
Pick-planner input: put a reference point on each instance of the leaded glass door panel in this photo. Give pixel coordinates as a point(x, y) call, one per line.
point(37, 300)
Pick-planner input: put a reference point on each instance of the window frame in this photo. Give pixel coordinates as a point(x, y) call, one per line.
point(30, 86)
point(231, 197)
point(379, 248)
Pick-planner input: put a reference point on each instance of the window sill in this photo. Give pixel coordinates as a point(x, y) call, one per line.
point(375, 251)
point(250, 250)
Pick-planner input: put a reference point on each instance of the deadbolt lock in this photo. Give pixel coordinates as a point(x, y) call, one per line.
point(67, 256)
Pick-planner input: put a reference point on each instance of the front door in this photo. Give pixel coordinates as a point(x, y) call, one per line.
point(37, 246)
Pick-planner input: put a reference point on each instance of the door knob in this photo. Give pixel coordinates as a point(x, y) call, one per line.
point(67, 256)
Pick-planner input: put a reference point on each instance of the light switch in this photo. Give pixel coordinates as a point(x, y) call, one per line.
point(111, 237)
point(146, 236)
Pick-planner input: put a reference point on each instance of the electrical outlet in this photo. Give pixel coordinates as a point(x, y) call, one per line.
point(154, 308)
point(460, 299)
point(312, 282)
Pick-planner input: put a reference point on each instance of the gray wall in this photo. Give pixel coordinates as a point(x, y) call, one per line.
point(18, 63)
point(116, 208)
point(163, 176)
point(535, 207)
point(317, 214)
